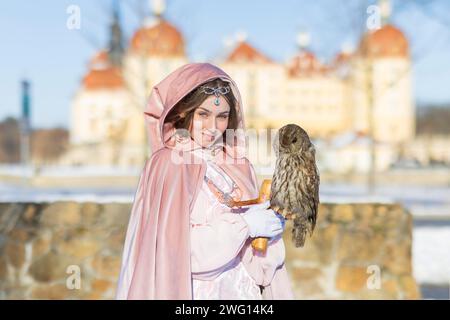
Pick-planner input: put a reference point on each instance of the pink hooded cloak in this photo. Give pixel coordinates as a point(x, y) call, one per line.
point(156, 259)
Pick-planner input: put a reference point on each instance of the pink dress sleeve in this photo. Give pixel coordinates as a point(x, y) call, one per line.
point(215, 243)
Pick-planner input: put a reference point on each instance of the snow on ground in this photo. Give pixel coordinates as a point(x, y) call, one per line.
point(10, 193)
point(422, 202)
point(68, 171)
point(431, 254)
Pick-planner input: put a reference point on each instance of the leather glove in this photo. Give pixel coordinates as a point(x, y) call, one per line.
point(263, 222)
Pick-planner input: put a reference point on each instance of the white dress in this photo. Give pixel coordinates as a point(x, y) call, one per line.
point(217, 238)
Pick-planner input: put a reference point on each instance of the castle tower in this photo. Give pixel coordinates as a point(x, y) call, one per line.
point(104, 118)
point(382, 78)
point(116, 47)
point(156, 49)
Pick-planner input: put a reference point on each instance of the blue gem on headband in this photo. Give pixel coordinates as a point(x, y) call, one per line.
point(217, 91)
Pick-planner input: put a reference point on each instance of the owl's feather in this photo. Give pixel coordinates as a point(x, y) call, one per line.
point(295, 183)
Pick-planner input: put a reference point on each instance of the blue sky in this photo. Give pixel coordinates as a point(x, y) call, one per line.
point(36, 43)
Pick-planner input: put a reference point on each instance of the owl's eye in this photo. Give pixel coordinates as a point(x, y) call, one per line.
point(295, 140)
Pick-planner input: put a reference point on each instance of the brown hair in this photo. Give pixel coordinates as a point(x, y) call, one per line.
point(183, 112)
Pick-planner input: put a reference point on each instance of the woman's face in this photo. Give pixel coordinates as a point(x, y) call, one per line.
point(210, 121)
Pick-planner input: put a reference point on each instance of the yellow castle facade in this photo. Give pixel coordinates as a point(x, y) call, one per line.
point(369, 88)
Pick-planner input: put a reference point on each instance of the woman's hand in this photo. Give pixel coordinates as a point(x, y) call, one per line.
point(263, 222)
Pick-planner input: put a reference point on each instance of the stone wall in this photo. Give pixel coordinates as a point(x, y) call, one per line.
point(39, 243)
point(357, 251)
point(43, 246)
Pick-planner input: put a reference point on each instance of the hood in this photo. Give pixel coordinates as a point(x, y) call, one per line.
point(174, 87)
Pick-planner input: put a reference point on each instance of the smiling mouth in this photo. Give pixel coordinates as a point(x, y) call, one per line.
point(209, 137)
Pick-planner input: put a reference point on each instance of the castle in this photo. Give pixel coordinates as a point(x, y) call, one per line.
point(367, 92)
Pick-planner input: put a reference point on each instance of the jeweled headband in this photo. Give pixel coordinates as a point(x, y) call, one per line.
point(217, 91)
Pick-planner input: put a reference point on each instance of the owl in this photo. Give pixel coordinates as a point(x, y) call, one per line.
point(294, 190)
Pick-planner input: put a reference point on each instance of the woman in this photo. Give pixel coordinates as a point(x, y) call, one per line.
point(183, 240)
